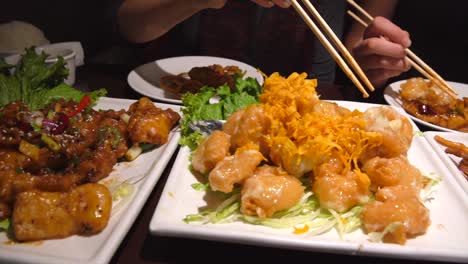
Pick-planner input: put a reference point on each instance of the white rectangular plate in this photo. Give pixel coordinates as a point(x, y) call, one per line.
point(101, 247)
point(446, 239)
point(450, 160)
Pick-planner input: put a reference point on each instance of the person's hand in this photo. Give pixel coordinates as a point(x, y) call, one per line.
point(382, 58)
point(216, 4)
point(271, 3)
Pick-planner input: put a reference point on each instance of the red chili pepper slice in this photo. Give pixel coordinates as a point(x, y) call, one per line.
point(84, 102)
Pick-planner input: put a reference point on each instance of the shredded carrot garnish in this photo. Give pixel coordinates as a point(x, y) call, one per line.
point(301, 230)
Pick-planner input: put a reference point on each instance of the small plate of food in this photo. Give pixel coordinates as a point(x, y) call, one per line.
point(428, 105)
point(294, 171)
point(168, 79)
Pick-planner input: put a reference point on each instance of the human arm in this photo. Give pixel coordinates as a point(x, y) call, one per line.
point(380, 58)
point(142, 20)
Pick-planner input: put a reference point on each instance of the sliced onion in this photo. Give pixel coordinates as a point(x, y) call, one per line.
point(57, 127)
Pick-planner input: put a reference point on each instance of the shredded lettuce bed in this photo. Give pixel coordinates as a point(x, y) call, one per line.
point(306, 213)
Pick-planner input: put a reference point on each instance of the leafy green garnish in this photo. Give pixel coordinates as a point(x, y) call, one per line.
point(5, 224)
point(199, 107)
point(37, 83)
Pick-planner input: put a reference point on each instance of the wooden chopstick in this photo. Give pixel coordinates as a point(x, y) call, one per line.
point(344, 51)
point(326, 43)
point(413, 64)
point(439, 80)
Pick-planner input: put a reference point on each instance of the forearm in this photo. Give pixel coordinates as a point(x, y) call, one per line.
point(144, 20)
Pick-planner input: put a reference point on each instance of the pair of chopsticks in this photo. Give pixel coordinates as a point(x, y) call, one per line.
point(336, 56)
point(412, 58)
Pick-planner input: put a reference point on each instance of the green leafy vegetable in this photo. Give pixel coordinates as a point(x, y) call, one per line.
point(199, 107)
point(37, 83)
point(5, 224)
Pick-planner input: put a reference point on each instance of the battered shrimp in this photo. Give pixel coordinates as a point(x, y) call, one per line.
point(248, 125)
point(396, 130)
point(341, 192)
point(270, 190)
point(235, 169)
point(212, 150)
point(396, 204)
point(394, 171)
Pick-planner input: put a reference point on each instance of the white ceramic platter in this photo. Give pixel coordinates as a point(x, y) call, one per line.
point(392, 97)
point(446, 238)
point(101, 247)
point(145, 78)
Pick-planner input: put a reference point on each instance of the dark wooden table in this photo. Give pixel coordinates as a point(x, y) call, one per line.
point(139, 246)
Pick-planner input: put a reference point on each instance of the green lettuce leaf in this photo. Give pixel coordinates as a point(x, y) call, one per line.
point(37, 83)
point(223, 103)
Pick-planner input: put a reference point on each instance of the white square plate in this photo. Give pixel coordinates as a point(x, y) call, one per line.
point(446, 239)
point(101, 247)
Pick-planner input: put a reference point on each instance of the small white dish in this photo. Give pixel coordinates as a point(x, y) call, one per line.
point(145, 78)
point(392, 97)
point(68, 56)
point(100, 248)
point(445, 240)
point(72, 53)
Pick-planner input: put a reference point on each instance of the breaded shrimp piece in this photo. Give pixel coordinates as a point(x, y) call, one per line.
point(341, 192)
point(212, 150)
point(396, 204)
point(270, 190)
point(396, 130)
point(235, 169)
point(385, 172)
point(248, 125)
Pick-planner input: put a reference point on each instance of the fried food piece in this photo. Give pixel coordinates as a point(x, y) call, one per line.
point(396, 205)
point(270, 190)
point(457, 149)
point(177, 84)
point(98, 165)
point(149, 124)
point(396, 130)
point(248, 125)
point(12, 183)
point(214, 75)
point(235, 169)
point(45, 215)
point(385, 172)
point(341, 192)
point(212, 150)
